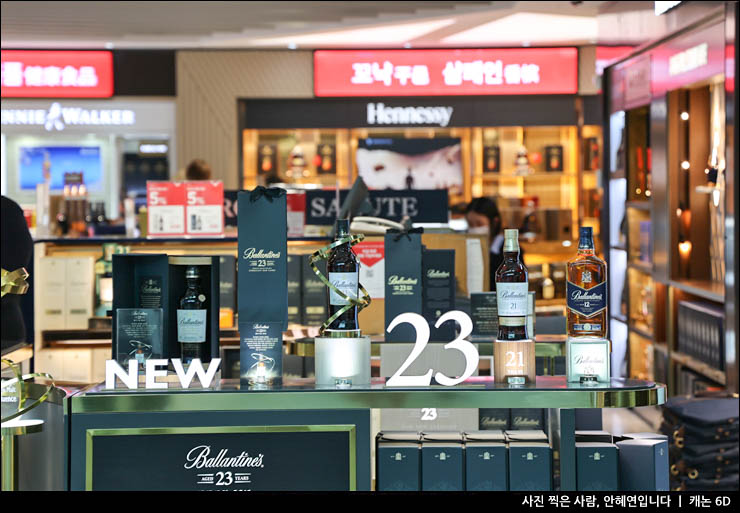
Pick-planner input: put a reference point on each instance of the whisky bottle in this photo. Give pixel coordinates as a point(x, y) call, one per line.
point(191, 320)
point(511, 291)
point(586, 290)
point(104, 280)
point(344, 272)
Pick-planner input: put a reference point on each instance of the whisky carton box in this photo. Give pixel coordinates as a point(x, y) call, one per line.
point(398, 461)
point(80, 290)
point(403, 282)
point(484, 315)
point(486, 461)
point(263, 252)
point(597, 466)
point(530, 466)
point(643, 465)
point(313, 294)
point(158, 281)
point(442, 461)
point(51, 280)
point(294, 289)
point(263, 281)
point(227, 288)
point(438, 291)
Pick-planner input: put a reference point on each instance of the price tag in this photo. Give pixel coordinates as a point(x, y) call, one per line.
point(165, 203)
point(204, 208)
point(371, 255)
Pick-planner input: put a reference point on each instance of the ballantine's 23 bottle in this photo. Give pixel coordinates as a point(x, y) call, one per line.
point(344, 274)
point(191, 319)
point(586, 290)
point(511, 291)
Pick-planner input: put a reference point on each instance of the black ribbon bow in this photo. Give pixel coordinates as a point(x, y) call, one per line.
point(404, 233)
point(268, 192)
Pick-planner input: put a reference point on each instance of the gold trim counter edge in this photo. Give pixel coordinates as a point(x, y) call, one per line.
point(364, 399)
point(315, 428)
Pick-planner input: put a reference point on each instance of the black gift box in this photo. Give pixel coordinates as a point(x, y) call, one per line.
point(294, 289)
point(438, 291)
point(136, 279)
point(313, 294)
point(403, 282)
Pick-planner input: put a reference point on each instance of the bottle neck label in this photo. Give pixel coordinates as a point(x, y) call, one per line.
point(347, 283)
point(511, 299)
point(586, 302)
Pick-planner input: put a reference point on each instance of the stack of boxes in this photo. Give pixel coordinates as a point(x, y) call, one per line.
point(703, 437)
point(517, 460)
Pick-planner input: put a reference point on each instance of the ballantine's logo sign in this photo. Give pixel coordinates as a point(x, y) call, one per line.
point(147, 288)
point(379, 114)
point(512, 294)
point(198, 458)
point(396, 280)
point(190, 321)
point(58, 117)
point(586, 359)
point(522, 421)
point(578, 295)
point(225, 285)
point(260, 326)
point(293, 284)
point(433, 273)
point(251, 253)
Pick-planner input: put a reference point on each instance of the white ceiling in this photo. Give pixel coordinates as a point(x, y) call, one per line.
point(311, 25)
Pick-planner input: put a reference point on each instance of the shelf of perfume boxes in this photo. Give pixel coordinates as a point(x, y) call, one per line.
point(699, 367)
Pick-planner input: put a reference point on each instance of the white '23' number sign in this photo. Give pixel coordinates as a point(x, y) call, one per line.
point(422, 339)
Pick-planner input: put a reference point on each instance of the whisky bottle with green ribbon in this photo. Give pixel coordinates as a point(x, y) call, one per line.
point(344, 274)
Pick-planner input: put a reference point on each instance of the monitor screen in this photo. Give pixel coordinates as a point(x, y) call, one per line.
point(58, 160)
point(389, 163)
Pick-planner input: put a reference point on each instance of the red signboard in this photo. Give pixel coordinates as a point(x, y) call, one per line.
point(445, 72)
point(56, 74)
point(185, 209)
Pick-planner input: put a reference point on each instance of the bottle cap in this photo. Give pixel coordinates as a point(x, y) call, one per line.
point(586, 231)
point(511, 241)
point(192, 272)
point(342, 227)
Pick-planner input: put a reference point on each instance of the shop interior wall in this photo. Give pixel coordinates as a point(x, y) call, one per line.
point(208, 86)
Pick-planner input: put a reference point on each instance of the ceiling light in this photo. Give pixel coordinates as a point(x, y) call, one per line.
point(292, 46)
point(526, 44)
point(109, 46)
point(407, 45)
point(685, 116)
point(685, 164)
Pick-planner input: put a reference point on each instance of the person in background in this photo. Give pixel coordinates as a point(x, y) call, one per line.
point(484, 218)
point(198, 169)
point(16, 250)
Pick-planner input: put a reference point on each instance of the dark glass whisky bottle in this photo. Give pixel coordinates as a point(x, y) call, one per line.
point(191, 320)
point(511, 291)
point(586, 290)
point(344, 273)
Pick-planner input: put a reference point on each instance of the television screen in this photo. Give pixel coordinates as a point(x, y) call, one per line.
point(58, 160)
point(387, 163)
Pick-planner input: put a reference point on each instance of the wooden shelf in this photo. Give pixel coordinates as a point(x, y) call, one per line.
point(492, 177)
point(710, 290)
point(700, 367)
point(640, 266)
point(639, 205)
point(642, 333)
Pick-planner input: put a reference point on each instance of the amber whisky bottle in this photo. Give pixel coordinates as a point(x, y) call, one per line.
point(586, 291)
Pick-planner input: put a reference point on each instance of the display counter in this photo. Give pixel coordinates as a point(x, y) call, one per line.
point(231, 437)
